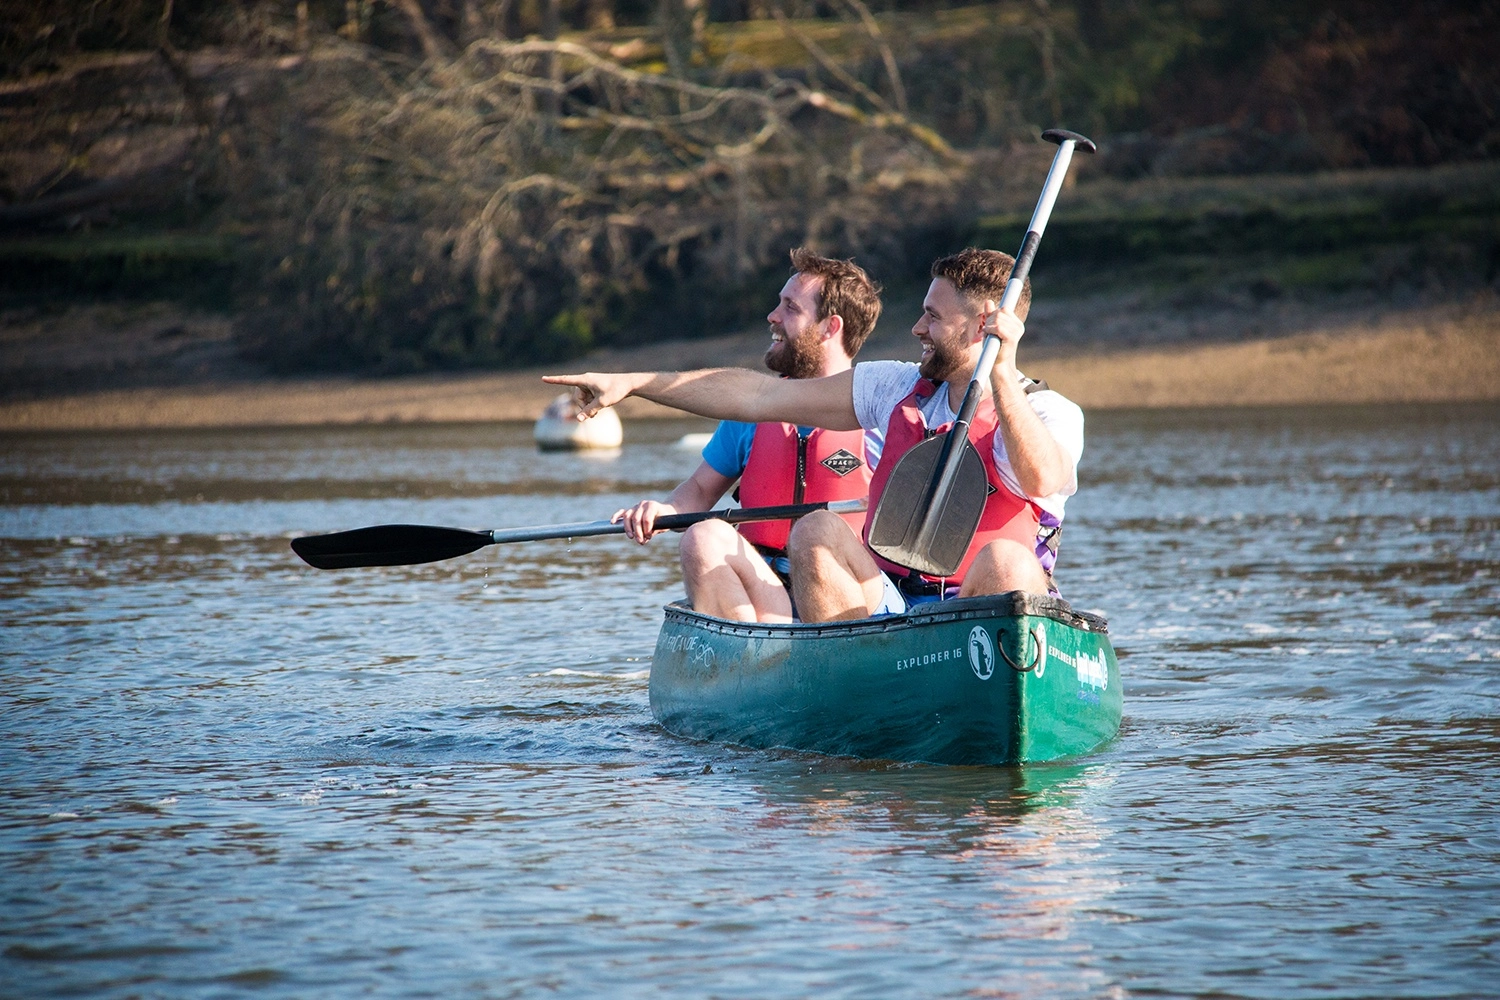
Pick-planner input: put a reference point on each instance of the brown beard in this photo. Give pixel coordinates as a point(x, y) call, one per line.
point(794, 358)
point(945, 365)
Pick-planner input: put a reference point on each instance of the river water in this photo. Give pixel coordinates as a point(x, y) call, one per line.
point(223, 773)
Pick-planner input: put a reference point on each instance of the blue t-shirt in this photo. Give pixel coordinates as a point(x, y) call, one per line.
point(729, 448)
point(728, 451)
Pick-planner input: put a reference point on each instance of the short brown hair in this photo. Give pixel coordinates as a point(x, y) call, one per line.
point(981, 274)
point(847, 290)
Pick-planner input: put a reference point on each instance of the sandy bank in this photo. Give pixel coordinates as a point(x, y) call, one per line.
point(1447, 359)
point(1399, 357)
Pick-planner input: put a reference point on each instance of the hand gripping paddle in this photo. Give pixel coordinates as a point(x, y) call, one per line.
point(935, 495)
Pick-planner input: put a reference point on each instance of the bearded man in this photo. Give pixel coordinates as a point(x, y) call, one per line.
point(1029, 438)
point(824, 314)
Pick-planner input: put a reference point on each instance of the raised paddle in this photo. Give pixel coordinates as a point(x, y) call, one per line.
point(935, 495)
point(407, 544)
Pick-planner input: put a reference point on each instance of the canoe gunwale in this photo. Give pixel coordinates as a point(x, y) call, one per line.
point(1014, 605)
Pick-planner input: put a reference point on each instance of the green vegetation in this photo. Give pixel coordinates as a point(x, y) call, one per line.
point(196, 268)
point(398, 185)
point(1379, 230)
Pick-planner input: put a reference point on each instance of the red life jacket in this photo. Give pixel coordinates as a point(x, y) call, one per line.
point(1005, 514)
point(785, 467)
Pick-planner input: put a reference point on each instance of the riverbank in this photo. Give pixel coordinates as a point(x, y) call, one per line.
point(182, 372)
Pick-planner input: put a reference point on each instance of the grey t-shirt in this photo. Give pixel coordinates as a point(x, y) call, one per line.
point(880, 386)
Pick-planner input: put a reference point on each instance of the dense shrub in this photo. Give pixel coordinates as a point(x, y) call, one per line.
point(529, 200)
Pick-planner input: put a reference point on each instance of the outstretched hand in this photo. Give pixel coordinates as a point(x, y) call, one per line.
point(595, 391)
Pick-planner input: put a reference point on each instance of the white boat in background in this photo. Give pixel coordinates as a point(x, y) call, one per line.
point(559, 429)
point(696, 441)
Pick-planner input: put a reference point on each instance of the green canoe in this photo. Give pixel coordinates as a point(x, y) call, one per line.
point(984, 680)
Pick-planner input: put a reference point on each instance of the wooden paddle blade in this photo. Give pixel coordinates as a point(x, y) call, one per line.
point(897, 522)
point(387, 545)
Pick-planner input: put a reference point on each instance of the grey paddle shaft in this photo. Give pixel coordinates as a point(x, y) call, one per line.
point(580, 529)
point(953, 446)
point(671, 522)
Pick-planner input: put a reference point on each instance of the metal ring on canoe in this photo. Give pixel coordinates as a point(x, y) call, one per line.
point(1036, 641)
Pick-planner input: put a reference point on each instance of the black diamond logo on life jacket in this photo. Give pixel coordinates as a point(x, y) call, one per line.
point(841, 463)
point(989, 488)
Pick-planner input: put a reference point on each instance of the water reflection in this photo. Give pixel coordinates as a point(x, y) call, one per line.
point(1021, 847)
point(961, 803)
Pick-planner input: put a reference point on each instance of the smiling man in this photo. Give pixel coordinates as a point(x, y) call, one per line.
point(824, 314)
point(1029, 438)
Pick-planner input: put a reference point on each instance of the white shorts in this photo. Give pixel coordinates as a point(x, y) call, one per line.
point(892, 601)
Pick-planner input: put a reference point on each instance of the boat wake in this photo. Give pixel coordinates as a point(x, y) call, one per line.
point(632, 675)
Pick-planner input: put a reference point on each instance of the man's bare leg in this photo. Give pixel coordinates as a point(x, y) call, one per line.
point(727, 578)
point(833, 575)
point(1002, 566)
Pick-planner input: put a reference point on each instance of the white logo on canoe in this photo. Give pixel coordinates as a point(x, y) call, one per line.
point(981, 653)
point(698, 652)
point(1092, 670)
point(925, 659)
point(1040, 634)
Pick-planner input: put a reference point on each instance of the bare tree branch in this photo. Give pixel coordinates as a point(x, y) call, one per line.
point(823, 59)
point(872, 28)
point(434, 46)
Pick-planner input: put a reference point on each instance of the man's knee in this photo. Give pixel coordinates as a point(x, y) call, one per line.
point(705, 547)
point(820, 529)
point(1004, 565)
point(823, 546)
point(711, 540)
point(1006, 552)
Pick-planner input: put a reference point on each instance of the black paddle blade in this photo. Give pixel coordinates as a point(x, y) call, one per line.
point(387, 545)
point(897, 521)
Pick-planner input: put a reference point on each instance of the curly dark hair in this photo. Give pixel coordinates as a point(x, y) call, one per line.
point(982, 274)
point(847, 290)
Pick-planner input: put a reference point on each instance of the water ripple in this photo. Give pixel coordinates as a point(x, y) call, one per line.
point(226, 772)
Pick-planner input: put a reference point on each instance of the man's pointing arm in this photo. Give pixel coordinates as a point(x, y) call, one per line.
point(725, 394)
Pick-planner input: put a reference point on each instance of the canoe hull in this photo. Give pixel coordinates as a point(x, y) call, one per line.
point(989, 680)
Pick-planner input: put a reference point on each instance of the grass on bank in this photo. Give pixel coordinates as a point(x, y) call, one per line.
point(1431, 230)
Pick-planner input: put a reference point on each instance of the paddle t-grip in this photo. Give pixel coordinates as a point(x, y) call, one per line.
point(1058, 136)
